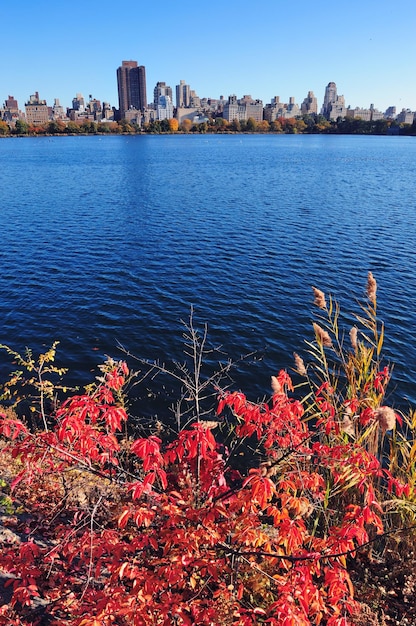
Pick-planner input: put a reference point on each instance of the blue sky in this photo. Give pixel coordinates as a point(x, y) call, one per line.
point(367, 47)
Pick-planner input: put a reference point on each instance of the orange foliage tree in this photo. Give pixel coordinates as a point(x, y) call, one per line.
point(173, 125)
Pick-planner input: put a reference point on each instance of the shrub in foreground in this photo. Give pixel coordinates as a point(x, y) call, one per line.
point(105, 528)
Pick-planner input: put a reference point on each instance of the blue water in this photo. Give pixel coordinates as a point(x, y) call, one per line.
point(108, 240)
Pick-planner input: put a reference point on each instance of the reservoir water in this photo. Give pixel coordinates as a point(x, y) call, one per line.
point(108, 240)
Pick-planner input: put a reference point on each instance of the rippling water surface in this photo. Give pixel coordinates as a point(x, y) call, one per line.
point(112, 239)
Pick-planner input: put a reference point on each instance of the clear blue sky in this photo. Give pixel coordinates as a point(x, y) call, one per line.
point(367, 47)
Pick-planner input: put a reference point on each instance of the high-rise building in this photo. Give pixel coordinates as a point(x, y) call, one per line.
point(329, 99)
point(310, 104)
point(254, 109)
point(36, 111)
point(138, 92)
point(274, 110)
point(11, 104)
point(390, 113)
point(11, 113)
point(164, 108)
point(161, 89)
point(78, 103)
point(334, 105)
point(243, 109)
point(183, 95)
point(131, 83)
point(58, 111)
point(406, 116)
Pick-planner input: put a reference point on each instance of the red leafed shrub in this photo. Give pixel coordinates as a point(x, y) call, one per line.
point(105, 528)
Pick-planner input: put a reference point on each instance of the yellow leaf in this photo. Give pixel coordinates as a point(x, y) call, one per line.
point(381, 340)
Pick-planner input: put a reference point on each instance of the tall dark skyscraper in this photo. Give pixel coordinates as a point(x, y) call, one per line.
point(131, 82)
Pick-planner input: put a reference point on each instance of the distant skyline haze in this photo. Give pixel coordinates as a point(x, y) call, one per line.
point(368, 49)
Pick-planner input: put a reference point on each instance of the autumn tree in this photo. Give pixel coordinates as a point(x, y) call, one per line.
point(289, 125)
point(4, 128)
point(322, 124)
point(56, 127)
point(263, 126)
point(173, 125)
point(276, 126)
point(125, 127)
point(113, 127)
point(300, 126)
point(185, 125)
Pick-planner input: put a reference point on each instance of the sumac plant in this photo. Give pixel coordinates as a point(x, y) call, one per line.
point(104, 528)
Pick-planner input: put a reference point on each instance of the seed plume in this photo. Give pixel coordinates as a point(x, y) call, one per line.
point(353, 337)
point(322, 336)
point(371, 287)
point(319, 298)
point(299, 365)
point(276, 386)
point(386, 418)
point(347, 426)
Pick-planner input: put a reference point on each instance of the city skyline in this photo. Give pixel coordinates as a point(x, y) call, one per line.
point(132, 90)
point(223, 50)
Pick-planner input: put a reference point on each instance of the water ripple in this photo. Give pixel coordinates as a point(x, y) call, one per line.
point(108, 240)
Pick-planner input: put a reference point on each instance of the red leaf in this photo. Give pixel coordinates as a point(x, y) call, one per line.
point(124, 518)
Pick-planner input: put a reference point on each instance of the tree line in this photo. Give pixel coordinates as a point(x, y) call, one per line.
point(307, 124)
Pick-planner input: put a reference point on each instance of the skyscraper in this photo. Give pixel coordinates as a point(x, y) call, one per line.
point(183, 95)
point(329, 99)
point(131, 83)
point(334, 105)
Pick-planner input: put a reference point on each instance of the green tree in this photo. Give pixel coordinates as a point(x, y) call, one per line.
point(155, 127)
point(380, 127)
point(72, 128)
point(103, 128)
point(251, 125)
point(21, 127)
point(56, 127)
point(165, 126)
point(309, 121)
point(221, 124)
point(89, 127)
